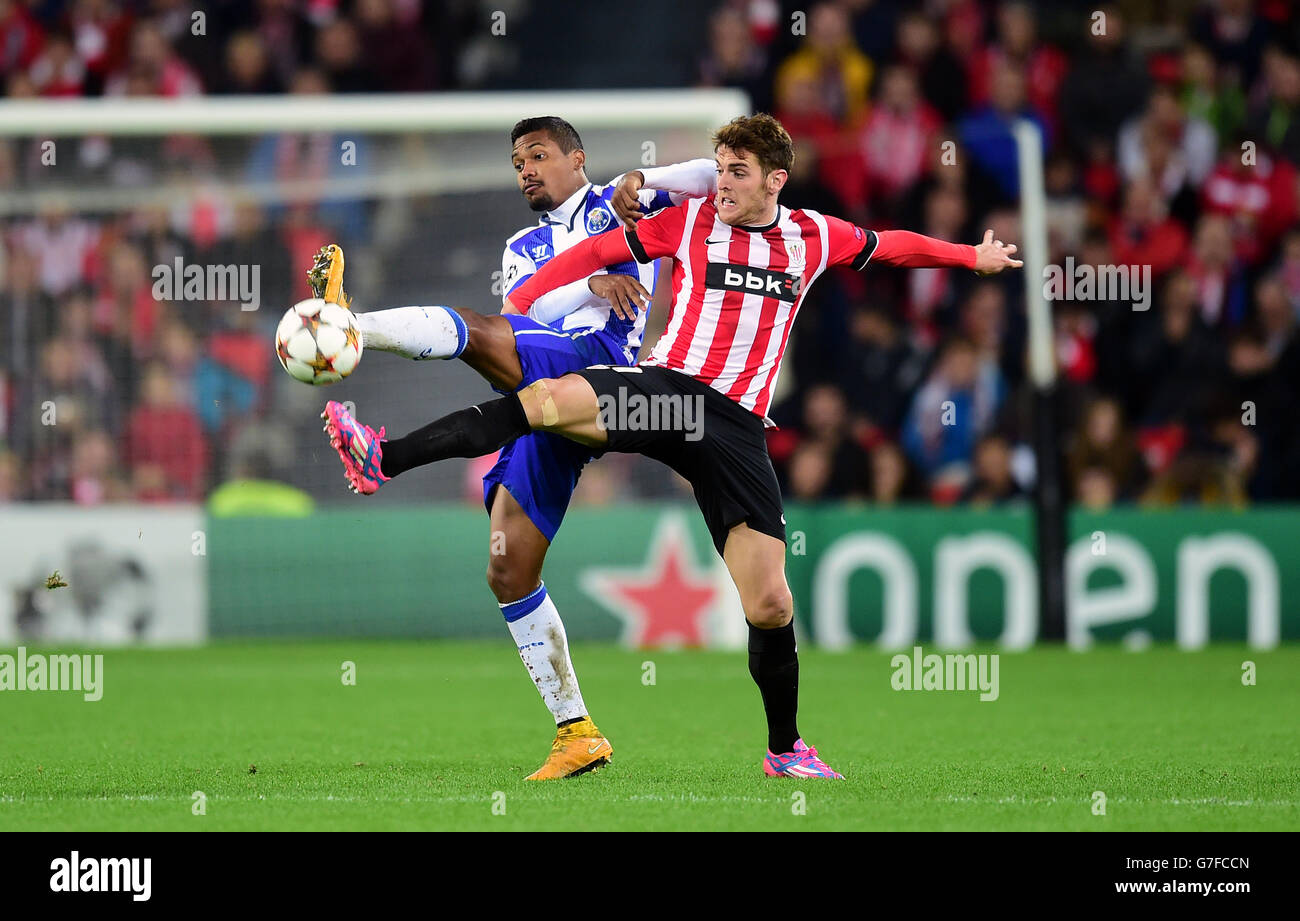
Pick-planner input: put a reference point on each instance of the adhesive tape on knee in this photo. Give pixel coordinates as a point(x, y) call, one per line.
point(550, 415)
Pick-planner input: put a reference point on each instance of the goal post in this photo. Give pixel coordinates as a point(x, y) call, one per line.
point(461, 150)
point(1049, 498)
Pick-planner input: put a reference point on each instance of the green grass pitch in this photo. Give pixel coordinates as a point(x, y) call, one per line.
point(432, 732)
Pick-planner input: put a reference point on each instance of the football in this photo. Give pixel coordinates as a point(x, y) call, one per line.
point(318, 342)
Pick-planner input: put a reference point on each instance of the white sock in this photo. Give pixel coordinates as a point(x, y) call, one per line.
point(544, 649)
point(414, 332)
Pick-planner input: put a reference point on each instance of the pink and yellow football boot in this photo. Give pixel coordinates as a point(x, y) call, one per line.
point(359, 446)
point(802, 762)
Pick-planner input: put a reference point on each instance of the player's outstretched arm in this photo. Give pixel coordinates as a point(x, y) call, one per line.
point(575, 263)
point(917, 251)
point(691, 179)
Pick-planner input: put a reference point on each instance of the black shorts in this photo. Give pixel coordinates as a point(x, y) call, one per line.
point(714, 442)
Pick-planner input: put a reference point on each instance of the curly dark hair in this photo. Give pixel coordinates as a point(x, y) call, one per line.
point(760, 135)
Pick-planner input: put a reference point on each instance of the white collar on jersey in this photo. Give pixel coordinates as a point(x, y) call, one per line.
point(568, 209)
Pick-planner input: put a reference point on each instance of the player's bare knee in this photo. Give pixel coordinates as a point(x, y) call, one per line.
point(506, 582)
point(770, 608)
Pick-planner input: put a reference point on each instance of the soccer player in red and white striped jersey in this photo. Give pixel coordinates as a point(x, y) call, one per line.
point(742, 265)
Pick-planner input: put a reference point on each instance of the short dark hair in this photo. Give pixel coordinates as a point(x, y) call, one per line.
point(760, 135)
point(561, 132)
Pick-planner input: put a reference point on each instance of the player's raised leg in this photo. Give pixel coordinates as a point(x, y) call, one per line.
point(485, 343)
point(517, 552)
point(756, 562)
point(564, 406)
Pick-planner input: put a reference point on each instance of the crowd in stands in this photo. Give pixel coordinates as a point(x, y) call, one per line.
point(1172, 152)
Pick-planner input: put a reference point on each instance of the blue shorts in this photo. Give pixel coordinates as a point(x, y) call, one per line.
point(541, 470)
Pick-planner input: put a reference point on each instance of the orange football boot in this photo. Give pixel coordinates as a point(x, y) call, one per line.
point(326, 276)
point(578, 748)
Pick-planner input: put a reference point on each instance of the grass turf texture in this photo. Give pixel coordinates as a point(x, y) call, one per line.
point(432, 730)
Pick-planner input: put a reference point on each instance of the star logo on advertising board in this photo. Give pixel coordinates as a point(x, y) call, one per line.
point(664, 602)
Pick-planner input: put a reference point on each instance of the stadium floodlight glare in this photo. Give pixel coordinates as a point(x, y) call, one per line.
point(1049, 500)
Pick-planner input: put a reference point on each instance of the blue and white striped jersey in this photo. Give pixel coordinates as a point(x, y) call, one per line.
point(573, 308)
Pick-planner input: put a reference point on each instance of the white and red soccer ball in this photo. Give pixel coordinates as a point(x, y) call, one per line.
point(318, 342)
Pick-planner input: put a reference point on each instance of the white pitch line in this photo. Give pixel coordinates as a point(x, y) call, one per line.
point(1205, 801)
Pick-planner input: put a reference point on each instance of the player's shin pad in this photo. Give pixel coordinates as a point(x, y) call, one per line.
point(470, 432)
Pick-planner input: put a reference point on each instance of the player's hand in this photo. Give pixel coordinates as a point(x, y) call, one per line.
point(627, 205)
point(624, 293)
point(992, 256)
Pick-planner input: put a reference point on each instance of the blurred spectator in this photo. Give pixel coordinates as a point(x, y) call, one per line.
point(810, 469)
point(1067, 210)
point(1105, 86)
point(248, 69)
point(164, 444)
point(1095, 489)
point(953, 408)
point(1288, 268)
point(58, 71)
point(986, 132)
point(734, 58)
point(943, 83)
point(1257, 192)
point(830, 58)
point(882, 369)
point(26, 314)
point(1197, 478)
point(824, 461)
point(992, 482)
point(896, 139)
point(401, 60)
point(1076, 335)
point(1102, 444)
point(61, 244)
point(152, 68)
point(63, 400)
point(101, 30)
point(1174, 356)
point(1275, 118)
point(1235, 35)
point(1165, 146)
point(312, 157)
point(339, 54)
point(94, 477)
point(892, 477)
point(1143, 234)
point(20, 37)
point(1017, 44)
point(1219, 103)
point(1218, 275)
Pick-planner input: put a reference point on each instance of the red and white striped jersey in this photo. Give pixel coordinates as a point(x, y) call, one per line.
point(737, 290)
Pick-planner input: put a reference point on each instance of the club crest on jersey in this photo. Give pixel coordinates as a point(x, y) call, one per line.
point(766, 282)
point(795, 250)
point(597, 220)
